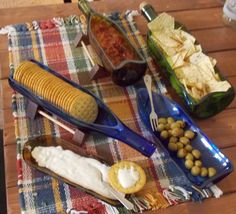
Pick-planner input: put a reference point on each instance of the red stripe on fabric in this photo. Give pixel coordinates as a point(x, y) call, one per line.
point(82, 201)
point(54, 53)
point(19, 168)
point(54, 50)
point(154, 174)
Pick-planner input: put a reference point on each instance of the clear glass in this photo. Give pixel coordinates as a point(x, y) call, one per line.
point(229, 13)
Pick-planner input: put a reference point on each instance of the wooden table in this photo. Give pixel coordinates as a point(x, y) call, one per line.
point(203, 18)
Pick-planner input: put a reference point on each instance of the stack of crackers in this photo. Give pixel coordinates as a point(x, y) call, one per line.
point(58, 92)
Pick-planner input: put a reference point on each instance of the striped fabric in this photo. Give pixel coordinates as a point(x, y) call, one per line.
point(51, 42)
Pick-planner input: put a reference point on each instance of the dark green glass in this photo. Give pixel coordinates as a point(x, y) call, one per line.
point(209, 105)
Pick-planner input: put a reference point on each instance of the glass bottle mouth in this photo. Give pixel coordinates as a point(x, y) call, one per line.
point(84, 7)
point(148, 11)
point(229, 9)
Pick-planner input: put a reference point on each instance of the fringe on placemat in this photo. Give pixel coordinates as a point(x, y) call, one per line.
point(150, 200)
point(48, 24)
point(217, 192)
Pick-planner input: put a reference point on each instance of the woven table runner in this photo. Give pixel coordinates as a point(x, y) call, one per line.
point(51, 42)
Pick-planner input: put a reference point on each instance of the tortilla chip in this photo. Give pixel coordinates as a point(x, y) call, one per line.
point(163, 21)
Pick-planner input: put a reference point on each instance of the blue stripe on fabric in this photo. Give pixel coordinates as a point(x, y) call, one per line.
point(40, 47)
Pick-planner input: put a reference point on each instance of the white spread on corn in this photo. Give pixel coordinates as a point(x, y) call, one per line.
point(194, 69)
point(127, 177)
point(86, 172)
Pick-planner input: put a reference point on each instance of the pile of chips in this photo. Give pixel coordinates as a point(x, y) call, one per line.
point(58, 92)
point(193, 68)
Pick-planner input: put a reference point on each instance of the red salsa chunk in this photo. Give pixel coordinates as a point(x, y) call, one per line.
point(112, 41)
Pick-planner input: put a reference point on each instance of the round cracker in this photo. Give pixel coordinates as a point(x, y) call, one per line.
point(20, 69)
point(62, 95)
point(71, 96)
point(84, 107)
point(115, 182)
point(46, 87)
point(55, 90)
point(40, 83)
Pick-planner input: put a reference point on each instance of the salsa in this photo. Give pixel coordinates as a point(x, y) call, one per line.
point(112, 41)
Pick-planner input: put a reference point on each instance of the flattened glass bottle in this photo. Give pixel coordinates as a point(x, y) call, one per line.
point(208, 105)
point(119, 56)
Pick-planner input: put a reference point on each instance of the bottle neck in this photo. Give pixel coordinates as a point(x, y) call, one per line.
point(84, 7)
point(148, 11)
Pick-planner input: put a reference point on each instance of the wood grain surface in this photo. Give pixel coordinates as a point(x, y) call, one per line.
point(22, 3)
point(204, 19)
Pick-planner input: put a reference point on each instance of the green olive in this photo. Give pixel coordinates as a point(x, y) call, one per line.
point(160, 127)
point(172, 147)
point(204, 171)
point(181, 122)
point(198, 163)
point(196, 153)
point(195, 170)
point(170, 133)
point(188, 148)
point(164, 134)
point(170, 120)
point(181, 153)
point(167, 126)
point(184, 140)
point(162, 120)
point(189, 156)
point(174, 125)
point(189, 134)
point(177, 132)
point(211, 171)
point(179, 145)
point(173, 140)
point(188, 164)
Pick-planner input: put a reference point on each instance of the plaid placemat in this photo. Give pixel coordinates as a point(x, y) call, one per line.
point(51, 42)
